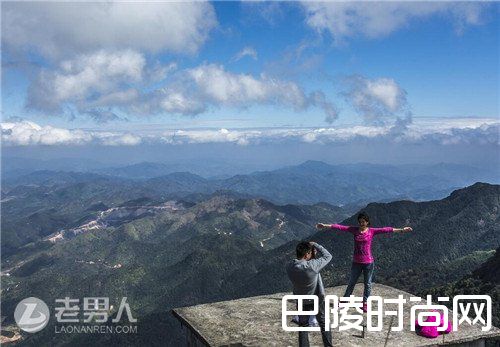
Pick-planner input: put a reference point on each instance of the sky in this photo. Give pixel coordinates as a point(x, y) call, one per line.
point(327, 74)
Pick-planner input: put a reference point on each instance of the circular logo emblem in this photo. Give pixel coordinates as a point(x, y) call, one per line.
point(31, 315)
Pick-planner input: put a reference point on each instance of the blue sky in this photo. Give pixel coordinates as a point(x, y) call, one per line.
point(71, 71)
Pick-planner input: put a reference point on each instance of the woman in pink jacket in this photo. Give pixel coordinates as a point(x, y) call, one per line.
point(362, 261)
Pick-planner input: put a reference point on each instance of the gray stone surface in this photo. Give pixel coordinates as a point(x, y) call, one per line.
point(256, 321)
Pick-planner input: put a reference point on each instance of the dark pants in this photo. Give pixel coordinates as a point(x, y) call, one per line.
point(356, 270)
point(304, 322)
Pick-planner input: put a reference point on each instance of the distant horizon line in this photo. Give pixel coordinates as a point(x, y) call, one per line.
point(122, 127)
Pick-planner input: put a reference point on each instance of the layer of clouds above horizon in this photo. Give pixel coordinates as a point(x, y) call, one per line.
point(224, 151)
point(463, 131)
point(239, 73)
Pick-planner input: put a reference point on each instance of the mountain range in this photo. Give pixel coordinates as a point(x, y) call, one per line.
point(309, 182)
point(223, 247)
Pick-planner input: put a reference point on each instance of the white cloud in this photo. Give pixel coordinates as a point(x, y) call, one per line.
point(437, 131)
point(193, 91)
point(78, 80)
point(387, 91)
point(221, 135)
point(60, 28)
point(223, 87)
point(177, 102)
point(118, 79)
point(468, 131)
point(377, 19)
point(219, 87)
point(112, 139)
point(246, 52)
point(483, 132)
point(26, 133)
point(375, 98)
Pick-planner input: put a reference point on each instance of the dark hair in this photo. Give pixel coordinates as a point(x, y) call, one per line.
point(363, 215)
point(302, 249)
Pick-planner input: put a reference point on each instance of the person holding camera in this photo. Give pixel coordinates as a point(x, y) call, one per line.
point(304, 273)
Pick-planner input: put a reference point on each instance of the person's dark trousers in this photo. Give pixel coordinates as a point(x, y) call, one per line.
point(356, 270)
point(320, 317)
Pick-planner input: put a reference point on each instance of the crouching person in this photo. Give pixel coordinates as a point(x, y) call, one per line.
point(304, 273)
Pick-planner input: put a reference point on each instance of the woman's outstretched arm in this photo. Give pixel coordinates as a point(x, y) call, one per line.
point(391, 230)
point(403, 230)
point(341, 227)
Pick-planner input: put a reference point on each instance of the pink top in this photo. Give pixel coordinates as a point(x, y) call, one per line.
point(363, 241)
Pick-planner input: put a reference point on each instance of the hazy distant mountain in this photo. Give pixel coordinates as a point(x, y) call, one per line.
point(307, 183)
point(13, 167)
point(50, 178)
point(315, 181)
point(140, 170)
point(212, 168)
